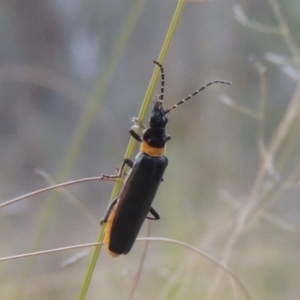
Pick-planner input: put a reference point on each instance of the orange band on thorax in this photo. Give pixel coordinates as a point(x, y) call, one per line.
point(152, 151)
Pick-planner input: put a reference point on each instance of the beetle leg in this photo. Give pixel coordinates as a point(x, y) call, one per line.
point(120, 170)
point(154, 214)
point(136, 125)
point(135, 135)
point(108, 211)
point(128, 162)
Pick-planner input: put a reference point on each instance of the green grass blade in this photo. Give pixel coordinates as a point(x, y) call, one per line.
point(131, 145)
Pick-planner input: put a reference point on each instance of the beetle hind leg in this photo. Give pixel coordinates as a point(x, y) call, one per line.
point(154, 213)
point(108, 211)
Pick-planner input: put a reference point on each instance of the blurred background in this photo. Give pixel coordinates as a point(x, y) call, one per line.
point(73, 73)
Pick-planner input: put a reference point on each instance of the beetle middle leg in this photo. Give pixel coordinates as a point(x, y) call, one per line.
point(126, 162)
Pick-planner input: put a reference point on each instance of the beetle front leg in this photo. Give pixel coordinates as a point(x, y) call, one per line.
point(136, 125)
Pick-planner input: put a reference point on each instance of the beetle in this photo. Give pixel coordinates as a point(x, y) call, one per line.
point(125, 215)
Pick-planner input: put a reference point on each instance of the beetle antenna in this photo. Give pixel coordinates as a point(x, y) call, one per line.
point(162, 87)
point(195, 93)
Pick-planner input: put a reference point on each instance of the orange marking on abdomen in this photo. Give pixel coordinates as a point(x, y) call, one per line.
point(107, 231)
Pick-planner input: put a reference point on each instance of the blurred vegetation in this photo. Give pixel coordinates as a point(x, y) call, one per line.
point(232, 185)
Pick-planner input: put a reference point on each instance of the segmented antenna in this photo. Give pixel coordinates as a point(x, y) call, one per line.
point(195, 93)
point(162, 87)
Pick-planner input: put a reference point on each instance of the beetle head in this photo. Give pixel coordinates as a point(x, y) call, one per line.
point(158, 118)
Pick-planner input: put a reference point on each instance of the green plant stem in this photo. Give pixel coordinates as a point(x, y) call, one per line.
point(131, 145)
